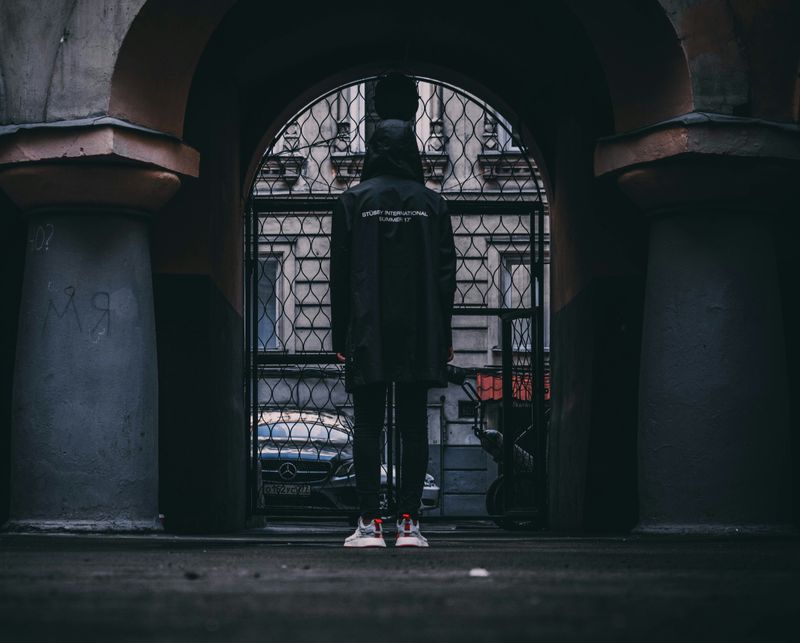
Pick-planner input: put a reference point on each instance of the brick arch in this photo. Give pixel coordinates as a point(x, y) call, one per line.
point(157, 60)
point(634, 42)
point(219, 75)
point(742, 56)
point(642, 58)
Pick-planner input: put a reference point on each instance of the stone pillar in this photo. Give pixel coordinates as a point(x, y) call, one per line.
point(714, 441)
point(85, 432)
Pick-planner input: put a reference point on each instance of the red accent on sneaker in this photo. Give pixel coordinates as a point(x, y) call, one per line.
point(378, 526)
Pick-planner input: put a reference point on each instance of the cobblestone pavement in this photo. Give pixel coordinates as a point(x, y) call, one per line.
point(296, 583)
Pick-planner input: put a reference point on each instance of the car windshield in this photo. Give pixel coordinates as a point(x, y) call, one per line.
point(303, 432)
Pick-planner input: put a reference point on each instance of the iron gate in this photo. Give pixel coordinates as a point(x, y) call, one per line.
point(300, 426)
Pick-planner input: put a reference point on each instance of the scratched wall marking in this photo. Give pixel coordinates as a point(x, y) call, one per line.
point(41, 237)
point(96, 319)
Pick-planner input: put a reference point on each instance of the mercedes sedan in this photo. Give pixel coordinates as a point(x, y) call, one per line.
point(306, 463)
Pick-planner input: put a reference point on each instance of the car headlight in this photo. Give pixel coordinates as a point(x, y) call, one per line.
point(344, 470)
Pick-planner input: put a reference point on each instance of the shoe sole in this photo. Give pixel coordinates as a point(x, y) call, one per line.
point(367, 542)
point(408, 541)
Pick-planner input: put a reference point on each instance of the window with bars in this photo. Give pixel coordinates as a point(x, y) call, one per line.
point(466, 409)
point(515, 286)
point(268, 302)
point(508, 136)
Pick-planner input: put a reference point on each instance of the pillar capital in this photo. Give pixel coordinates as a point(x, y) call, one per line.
point(35, 186)
point(92, 162)
point(703, 159)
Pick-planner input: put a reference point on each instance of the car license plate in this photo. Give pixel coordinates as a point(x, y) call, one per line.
point(279, 489)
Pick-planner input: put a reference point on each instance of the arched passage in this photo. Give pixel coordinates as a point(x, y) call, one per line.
point(244, 83)
point(219, 75)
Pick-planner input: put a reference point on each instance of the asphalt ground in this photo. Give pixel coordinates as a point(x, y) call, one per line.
point(294, 582)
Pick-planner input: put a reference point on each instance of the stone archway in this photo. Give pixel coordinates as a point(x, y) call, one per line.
point(180, 73)
point(207, 112)
point(171, 77)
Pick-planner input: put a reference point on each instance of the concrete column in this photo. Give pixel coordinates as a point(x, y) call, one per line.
point(85, 433)
point(714, 440)
point(85, 385)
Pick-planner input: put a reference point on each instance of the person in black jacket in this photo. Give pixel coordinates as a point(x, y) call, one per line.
point(393, 267)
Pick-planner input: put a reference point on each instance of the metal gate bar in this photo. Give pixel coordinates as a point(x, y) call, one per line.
point(268, 205)
point(509, 430)
point(540, 473)
point(390, 451)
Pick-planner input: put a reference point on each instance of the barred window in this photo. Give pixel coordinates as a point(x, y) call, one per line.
point(515, 284)
point(268, 314)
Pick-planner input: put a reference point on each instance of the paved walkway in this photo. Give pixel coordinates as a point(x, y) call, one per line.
point(296, 583)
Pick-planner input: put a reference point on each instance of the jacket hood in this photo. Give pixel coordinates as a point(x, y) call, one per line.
point(392, 149)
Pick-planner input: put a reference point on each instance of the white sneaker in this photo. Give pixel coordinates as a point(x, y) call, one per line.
point(408, 534)
point(369, 535)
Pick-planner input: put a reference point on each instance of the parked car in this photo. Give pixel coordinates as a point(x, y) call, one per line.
point(306, 462)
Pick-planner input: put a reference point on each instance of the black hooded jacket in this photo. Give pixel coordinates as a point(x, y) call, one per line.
point(393, 268)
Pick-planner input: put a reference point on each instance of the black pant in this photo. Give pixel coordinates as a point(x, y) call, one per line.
point(411, 420)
